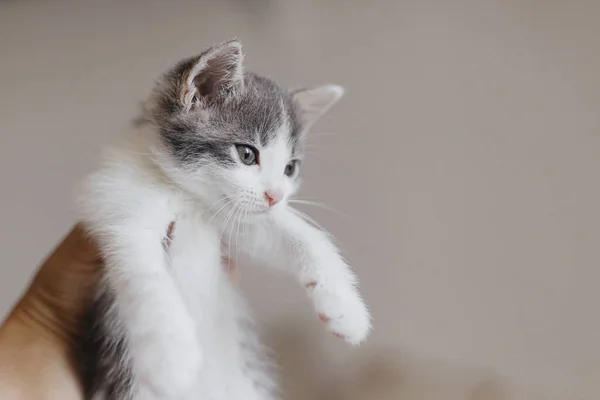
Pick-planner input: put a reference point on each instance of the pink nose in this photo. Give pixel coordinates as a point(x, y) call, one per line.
point(272, 198)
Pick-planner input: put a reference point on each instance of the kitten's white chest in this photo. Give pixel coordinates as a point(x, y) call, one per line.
point(195, 260)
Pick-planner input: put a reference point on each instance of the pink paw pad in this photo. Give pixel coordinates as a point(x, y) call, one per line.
point(324, 318)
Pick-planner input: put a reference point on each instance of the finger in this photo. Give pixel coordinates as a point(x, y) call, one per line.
point(169, 236)
point(77, 253)
point(170, 230)
point(64, 286)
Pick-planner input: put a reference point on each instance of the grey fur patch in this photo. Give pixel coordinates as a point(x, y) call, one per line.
point(257, 365)
point(104, 359)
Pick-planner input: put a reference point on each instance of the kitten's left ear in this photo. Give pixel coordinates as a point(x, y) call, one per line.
point(313, 103)
point(214, 75)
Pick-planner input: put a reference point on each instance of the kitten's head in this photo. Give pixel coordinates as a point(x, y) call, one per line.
point(233, 138)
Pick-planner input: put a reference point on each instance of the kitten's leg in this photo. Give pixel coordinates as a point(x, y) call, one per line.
point(160, 331)
point(258, 378)
point(128, 214)
point(129, 219)
point(290, 241)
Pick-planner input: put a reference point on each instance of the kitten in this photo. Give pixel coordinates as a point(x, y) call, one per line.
point(217, 151)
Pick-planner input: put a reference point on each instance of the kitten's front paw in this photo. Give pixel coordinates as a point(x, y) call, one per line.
point(343, 312)
point(170, 362)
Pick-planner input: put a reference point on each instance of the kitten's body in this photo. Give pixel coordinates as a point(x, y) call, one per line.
point(169, 324)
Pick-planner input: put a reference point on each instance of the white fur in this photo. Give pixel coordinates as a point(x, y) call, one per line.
point(180, 310)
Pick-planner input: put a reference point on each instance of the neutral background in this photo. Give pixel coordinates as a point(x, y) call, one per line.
point(466, 153)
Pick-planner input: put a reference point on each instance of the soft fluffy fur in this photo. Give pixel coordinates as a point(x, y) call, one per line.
point(168, 324)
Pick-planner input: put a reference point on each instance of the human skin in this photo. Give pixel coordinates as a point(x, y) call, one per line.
point(37, 338)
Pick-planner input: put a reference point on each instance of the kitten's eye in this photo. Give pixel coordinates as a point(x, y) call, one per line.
point(248, 154)
point(291, 168)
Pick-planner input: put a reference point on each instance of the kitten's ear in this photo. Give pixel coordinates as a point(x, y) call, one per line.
point(214, 75)
point(312, 103)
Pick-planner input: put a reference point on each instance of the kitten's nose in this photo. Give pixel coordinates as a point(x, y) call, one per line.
point(272, 197)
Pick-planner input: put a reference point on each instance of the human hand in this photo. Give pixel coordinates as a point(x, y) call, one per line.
point(36, 340)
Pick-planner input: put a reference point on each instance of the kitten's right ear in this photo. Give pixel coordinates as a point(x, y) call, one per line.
point(214, 75)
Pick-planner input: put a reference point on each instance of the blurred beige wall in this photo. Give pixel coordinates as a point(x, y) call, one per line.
point(467, 153)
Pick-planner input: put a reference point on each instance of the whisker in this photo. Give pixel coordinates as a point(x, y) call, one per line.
point(221, 199)
point(240, 209)
point(227, 218)
point(307, 218)
point(324, 206)
point(237, 237)
point(220, 209)
point(228, 200)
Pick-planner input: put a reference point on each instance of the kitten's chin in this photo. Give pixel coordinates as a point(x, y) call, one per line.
point(255, 215)
point(261, 215)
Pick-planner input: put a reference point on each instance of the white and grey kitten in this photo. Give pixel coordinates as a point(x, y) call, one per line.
point(217, 151)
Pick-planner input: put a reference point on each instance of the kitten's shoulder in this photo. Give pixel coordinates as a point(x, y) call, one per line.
point(128, 183)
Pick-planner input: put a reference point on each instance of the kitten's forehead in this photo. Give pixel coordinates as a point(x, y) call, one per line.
point(262, 113)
